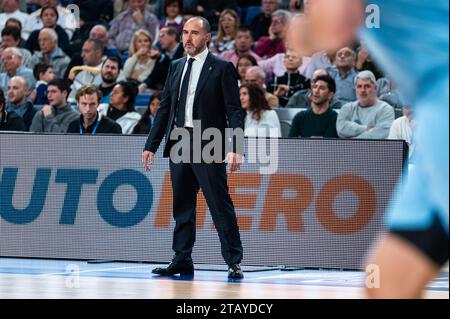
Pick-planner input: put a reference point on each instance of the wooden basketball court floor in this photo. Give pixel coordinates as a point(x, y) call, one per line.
point(68, 279)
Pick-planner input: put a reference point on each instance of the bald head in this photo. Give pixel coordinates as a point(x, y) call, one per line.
point(319, 72)
point(255, 74)
point(48, 40)
point(203, 22)
point(17, 90)
point(99, 32)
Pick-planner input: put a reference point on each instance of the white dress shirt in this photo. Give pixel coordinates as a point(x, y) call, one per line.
point(197, 66)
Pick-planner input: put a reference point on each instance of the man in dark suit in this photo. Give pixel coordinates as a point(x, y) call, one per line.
point(199, 87)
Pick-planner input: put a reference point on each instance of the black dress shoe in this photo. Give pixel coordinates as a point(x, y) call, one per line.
point(235, 272)
point(174, 269)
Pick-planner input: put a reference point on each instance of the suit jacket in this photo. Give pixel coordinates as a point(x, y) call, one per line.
point(216, 102)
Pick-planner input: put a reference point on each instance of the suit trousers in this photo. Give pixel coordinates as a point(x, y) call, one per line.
point(187, 179)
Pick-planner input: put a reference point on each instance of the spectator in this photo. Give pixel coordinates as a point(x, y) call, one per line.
point(275, 65)
point(127, 23)
point(43, 73)
point(56, 116)
point(121, 106)
point(66, 19)
point(171, 50)
point(92, 55)
point(368, 117)
point(344, 74)
point(256, 75)
point(402, 129)
point(226, 35)
point(172, 15)
point(260, 119)
point(9, 121)
point(11, 39)
point(268, 46)
point(17, 95)
point(261, 23)
point(387, 91)
point(98, 32)
point(141, 62)
point(320, 119)
point(291, 82)
point(12, 61)
point(320, 60)
point(110, 73)
point(49, 17)
point(211, 10)
point(244, 43)
point(302, 99)
point(244, 63)
point(13, 22)
point(91, 121)
point(145, 123)
point(50, 52)
point(364, 63)
point(11, 10)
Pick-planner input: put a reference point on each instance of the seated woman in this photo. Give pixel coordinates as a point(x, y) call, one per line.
point(121, 106)
point(226, 35)
point(260, 119)
point(145, 123)
point(246, 61)
point(49, 17)
point(140, 63)
point(173, 15)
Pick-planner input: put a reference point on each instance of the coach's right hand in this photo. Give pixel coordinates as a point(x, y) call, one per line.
point(147, 159)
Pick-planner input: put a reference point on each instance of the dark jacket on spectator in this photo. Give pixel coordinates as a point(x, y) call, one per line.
point(10, 121)
point(105, 126)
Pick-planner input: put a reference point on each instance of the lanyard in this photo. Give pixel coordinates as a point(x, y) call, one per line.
point(93, 131)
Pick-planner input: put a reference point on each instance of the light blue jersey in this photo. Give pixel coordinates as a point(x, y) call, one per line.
point(411, 46)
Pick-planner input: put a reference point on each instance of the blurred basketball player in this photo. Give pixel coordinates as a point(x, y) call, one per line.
point(411, 45)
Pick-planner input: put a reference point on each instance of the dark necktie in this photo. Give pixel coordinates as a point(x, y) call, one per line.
point(183, 95)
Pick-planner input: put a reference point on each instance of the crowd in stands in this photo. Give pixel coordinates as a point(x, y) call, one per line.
point(66, 74)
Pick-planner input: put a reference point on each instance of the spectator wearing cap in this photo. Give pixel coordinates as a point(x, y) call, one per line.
point(368, 117)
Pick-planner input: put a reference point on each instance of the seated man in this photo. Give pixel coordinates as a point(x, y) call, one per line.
point(367, 117)
point(255, 74)
point(57, 115)
point(344, 74)
point(320, 119)
point(302, 99)
point(291, 81)
point(12, 61)
point(91, 121)
point(18, 100)
point(92, 55)
point(50, 52)
point(9, 121)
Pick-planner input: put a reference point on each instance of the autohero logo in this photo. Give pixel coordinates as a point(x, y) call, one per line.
point(75, 180)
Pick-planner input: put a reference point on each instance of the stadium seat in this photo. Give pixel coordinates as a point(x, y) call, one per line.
point(285, 128)
point(142, 100)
